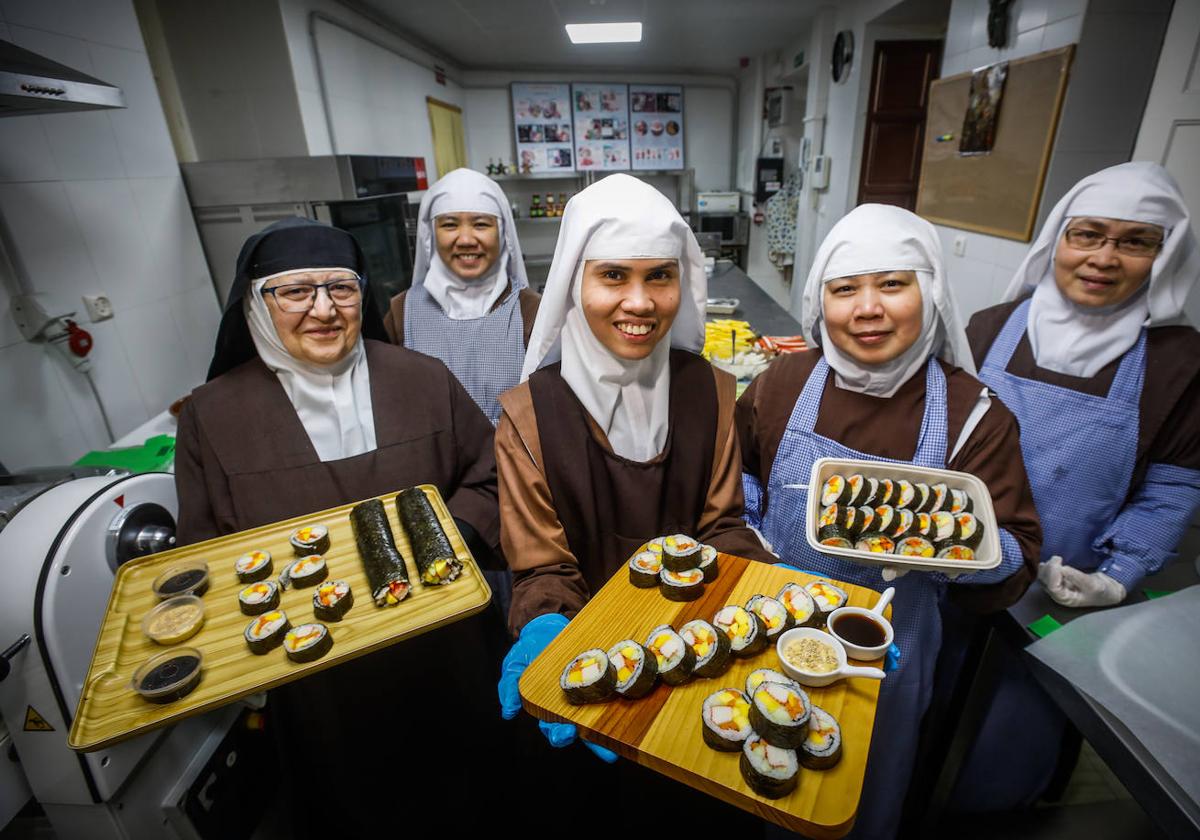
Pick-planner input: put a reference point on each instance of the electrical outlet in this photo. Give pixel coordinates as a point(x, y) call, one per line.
point(99, 307)
point(960, 245)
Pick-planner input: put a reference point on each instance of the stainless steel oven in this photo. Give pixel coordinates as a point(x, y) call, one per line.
point(734, 228)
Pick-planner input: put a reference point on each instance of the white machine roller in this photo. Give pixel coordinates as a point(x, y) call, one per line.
point(58, 555)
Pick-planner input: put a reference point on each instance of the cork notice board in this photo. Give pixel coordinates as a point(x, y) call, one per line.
point(995, 193)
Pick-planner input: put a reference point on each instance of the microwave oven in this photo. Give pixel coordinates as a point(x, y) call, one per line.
point(734, 228)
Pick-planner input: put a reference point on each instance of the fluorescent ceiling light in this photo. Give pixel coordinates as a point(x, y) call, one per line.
point(605, 33)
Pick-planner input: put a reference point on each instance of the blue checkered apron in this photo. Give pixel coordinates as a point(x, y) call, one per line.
point(905, 692)
point(485, 353)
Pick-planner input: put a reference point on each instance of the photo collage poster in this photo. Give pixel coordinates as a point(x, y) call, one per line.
point(656, 136)
point(601, 126)
point(542, 122)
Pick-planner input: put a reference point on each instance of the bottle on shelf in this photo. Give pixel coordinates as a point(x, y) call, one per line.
point(551, 210)
point(535, 207)
point(562, 203)
point(491, 167)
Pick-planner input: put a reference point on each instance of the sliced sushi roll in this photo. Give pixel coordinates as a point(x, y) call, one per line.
point(865, 521)
point(887, 492)
point(726, 718)
point(885, 518)
point(332, 600)
point(797, 601)
point(955, 551)
point(680, 552)
point(674, 656)
point(945, 527)
point(253, 566)
point(687, 585)
point(923, 500)
point(851, 521)
point(970, 529)
point(779, 713)
point(858, 490)
point(822, 747)
point(644, 568)
point(915, 546)
point(902, 523)
point(588, 678)
point(835, 491)
point(636, 667)
point(904, 495)
point(258, 598)
point(769, 771)
point(941, 497)
point(311, 539)
point(921, 525)
point(708, 563)
point(961, 502)
point(876, 543)
point(266, 632)
point(746, 631)
point(714, 653)
point(307, 642)
point(873, 493)
point(772, 614)
point(761, 675)
point(305, 572)
point(827, 596)
point(831, 530)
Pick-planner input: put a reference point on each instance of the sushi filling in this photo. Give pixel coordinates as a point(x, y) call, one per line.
point(712, 648)
point(674, 656)
point(826, 596)
point(769, 770)
point(307, 642)
point(636, 672)
point(253, 566)
point(747, 635)
point(726, 715)
point(307, 571)
point(761, 675)
point(798, 602)
point(259, 597)
point(391, 593)
point(681, 586)
point(773, 614)
point(778, 713)
point(834, 491)
point(442, 570)
point(822, 747)
point(915, 546)
point(332, 600)
point(311, 539)
point(956, 552)
point(876, 544)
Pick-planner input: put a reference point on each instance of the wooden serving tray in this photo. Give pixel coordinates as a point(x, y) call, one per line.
point(110, 710)
point(663, 730)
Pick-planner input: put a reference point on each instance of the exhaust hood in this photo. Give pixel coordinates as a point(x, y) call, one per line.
point(32, 84)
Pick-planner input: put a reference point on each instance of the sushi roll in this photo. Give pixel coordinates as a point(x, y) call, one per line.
point(266, 632)
point(258, 598)
point(437, 564)
point(253, 566)
point(970, 529)
point(636, 668)
point(387, 577)
point(923, 501)
point(915, 546)
point(675, 657)
point(307, 642)
point(941, 497)
point(858, 490)
point(305, 572)
point(680, 553)
point(827, 596)
point(589, 678)
point(961, 502)
point(746, 631)
point(779, 713)
point(772, 614)
point(876, 543)
point(644, 568)
point(887, 492)
point(769, 771)
point(885, 518)
point(761, 675)
point(822, 747)
point(945, 527)
point(955, 551)
point(830, 528)
point(708, 563)
point(874, 493)
point(311, 539)
point(332, 600)
point(865, 521)
point(797, 601)
point(681, 586)
point(726, 718)
point(835, 491)
point(714, 653)
point(904, 495)
point(902, 523)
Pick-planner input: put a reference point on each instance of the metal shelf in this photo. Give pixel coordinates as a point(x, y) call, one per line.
point(539, 220)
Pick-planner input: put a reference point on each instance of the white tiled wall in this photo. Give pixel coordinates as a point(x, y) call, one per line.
point(95, 204)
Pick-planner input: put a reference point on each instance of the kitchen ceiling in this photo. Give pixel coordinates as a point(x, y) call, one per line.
point(678, 36)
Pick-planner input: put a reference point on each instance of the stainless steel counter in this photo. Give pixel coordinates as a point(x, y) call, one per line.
point(755, 305)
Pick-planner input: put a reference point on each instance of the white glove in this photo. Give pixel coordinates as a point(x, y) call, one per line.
point(1074, 588)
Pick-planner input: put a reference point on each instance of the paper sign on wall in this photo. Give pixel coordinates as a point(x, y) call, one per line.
point(601, 126)
point(656, 138)
point(542, 122)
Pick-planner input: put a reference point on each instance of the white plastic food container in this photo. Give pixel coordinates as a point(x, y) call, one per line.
point(987, 554)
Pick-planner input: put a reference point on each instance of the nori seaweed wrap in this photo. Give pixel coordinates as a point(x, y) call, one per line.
point(588, 678)
point(436, 562)
point(636, 667)
point(382, 563)
point(769, 771)
point(971, 529)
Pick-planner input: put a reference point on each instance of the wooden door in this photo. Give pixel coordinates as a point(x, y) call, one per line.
point(895, 125)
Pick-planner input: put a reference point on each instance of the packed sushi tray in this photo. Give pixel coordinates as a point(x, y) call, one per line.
point(196, 628)
point(902, 516)
point(698, 689)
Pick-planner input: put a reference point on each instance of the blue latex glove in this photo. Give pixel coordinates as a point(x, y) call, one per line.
point(534, 637)
point(891, 661)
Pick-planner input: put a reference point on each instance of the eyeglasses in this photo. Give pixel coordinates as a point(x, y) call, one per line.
point(1133, 246)
point(300, 297)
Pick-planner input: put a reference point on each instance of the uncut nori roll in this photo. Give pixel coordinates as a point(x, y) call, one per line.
point(769, 771)
point(636, 667)
point(588, 678)
point(676, 659)
point(387, 577)
point(436, 562)
point(822, 747)
point(713, 652)
point(725, 716)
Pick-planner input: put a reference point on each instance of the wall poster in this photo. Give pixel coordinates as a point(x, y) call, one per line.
point(601, 126)
point(542, 123)
point(656, 112)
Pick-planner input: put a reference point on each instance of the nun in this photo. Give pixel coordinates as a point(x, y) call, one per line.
point(470, 304)
point(891, 380)
point(308, 407)
point(1094, 355)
